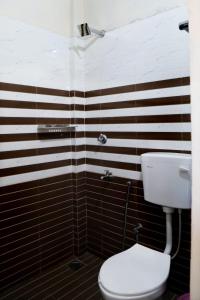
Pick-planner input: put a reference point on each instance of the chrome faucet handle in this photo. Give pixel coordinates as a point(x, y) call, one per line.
point(107, 175)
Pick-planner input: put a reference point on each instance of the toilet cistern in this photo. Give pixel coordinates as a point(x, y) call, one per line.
point(167, 179)
point(167, 182)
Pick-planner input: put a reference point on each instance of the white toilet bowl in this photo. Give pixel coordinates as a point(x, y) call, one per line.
point(138, 273)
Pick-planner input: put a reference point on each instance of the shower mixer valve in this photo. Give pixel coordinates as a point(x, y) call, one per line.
point(102, 139)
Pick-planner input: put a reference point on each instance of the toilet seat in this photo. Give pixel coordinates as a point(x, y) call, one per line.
point(135, 272)
point(147, 296)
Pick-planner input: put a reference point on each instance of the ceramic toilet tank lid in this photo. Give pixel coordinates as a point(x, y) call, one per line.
point(136, 271)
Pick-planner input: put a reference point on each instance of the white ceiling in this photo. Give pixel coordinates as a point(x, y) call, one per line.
point(57, 16)
point(110, 14)
point(62, 16)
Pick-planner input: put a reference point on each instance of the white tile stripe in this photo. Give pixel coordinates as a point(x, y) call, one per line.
point(17, 129)
point(33, 113)
point(147, 94)
point(12, 146)
point(19, 178)
point(151, 144)
point(133, 143)
point(116, 172)
point(4, 95)
point(114, 157)
point(144, 111)
point(150, 127)
point(31, 160)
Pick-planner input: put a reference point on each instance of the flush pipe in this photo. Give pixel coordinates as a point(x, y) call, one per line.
point(168, 211)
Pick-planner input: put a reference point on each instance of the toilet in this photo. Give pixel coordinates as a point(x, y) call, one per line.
point(137, 273)
point(141, 273)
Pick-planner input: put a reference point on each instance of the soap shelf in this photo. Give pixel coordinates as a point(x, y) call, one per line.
point(56, 128)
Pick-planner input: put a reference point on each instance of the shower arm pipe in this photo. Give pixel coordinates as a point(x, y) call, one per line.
point(101, 33)
point(168, 211)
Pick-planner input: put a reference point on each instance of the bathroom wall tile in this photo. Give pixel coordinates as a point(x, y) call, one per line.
point(143, 51)
point(51, 188)
point(37, 195)
point(141, 107)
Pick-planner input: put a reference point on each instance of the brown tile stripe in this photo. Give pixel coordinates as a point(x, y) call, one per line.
point(176, 118)
point(17, 88)
point(39, 183)
point(13, 189)
point(27, 137)
point(33, 121)
point(128, 150)
point(184, 136)
point(40, 151)
point(80, 94)
point(40, 167)
point(52, 92)
point(34, 136)
point(32, 89)
point(114, 164)
point(38, 105)
point(140, 103)
point(11, 87)
point(28, 196)
point(140, 87)
point(108, 91)
point(179, 136)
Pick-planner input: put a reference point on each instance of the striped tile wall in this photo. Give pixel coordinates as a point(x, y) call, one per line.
point(139, 118)
point(53, 203)
point(41, 181)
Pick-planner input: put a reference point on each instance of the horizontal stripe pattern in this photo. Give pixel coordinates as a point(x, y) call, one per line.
point(140, 87)
point(140, 103)
point(159, 123)
point(53, 203)
point(141, 119)
point(136, 119)
point(38, 176)
point(141, 95)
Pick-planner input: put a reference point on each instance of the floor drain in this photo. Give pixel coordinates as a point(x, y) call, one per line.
point(75, 265)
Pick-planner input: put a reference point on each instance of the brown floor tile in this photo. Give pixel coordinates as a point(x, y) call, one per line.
point(61, 282)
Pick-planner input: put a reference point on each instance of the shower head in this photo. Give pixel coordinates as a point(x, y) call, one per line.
point(85, 30)
point(184, 26)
